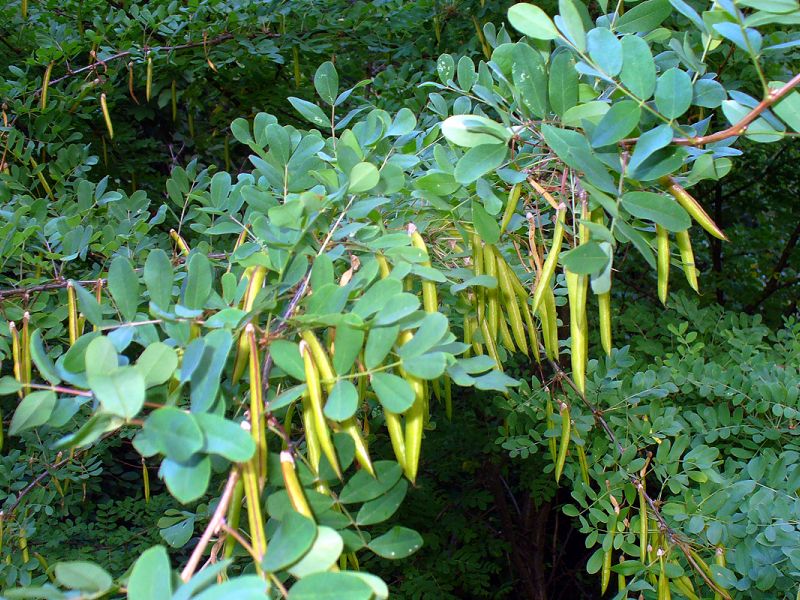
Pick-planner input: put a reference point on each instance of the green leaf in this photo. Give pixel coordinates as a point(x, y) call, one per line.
point(657, 208)
point(394, 393)
point(158, 277)
point(311, 112)
point(396, 308)
point(530, 78)
point(573, 148)
point(197, 285)
point(398, 542)
point(244, 587)
point(9, 385)
point(363, 487)
point(121, 392)
point(87, 304)
point(474, 130)
point(638, 67)
point(84, 576)
point(431, 330)
point(151, 578)
point(562, 83)
point(379, 343)
point(225, 438)
point(323, 554)
point(478, 161)
point(340, 585)
point(291, 541)
point(465, 73)
point(206, 376)
point(186, 481)
point(788, 108)
point(628, 233)
point(382, 507)
point(570, 23)
point(445, 67)
point(605, 49)
point(747, 39)
point(363, 177)
point(486, 225)
point(532, 21)
point(123, 283)
point(378, 294)
point(648, 143)
point(426, 366)
point(157, 363)
point(34, 410)
point(174, 432)
point(286, 355)
point(326, 82)
point(644, 17)
point(342, 401)
point(42, 361)
point(586, 259)
point(673, 93)
point(621, 119)
point(348, 345)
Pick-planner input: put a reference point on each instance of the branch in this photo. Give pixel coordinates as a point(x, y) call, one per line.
point(213, 526)
point(737, 128)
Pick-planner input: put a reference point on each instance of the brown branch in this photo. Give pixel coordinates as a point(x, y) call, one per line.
point(737, 128)
point(212, 527)
point(638, 482)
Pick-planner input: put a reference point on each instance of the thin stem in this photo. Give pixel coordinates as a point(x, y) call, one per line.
point(212, 527)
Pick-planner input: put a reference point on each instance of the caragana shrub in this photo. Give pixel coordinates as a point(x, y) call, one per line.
point(362, 271)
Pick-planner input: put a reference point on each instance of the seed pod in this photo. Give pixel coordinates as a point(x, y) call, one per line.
point(583, 464)
point(551, 442)
point(414, 418)
point(255, 280)
point(149, 78)
point(643, 524)
point(478, 269)
point(684, 585)
point(448, 397)
point(233, 517)
point(430, 300)
point(255, 519)
point(72, 312)
point(179, 241)
point(106, 115)
point(510, 302)
point(383, 265)
point(24, 11)
point(312, 441)
point(493, 308)
point(549, 268)
point(663, 582)
point(296, 65)
point(394, 426)
point(292, 484)
point(523, 297)
point(687, 258)
point(719, 559)
point(549, 318)
point(693, 207)
point(25, 351)
point(15, 353)
point(46, 84)
point(604, 306)
point(564, 443)
point(258, 426)
point(662, 244)
point(605, 573)
point(349, 426)
point(146, 481)
point(491, 347)
point(511, 207)
point(318, 416)
point(576, 290)
point(621, 583)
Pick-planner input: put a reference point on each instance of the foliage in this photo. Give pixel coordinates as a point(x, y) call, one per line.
point(367, 270)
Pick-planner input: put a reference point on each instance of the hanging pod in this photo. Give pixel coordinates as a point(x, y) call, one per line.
point(684, 243)
point(662, 245)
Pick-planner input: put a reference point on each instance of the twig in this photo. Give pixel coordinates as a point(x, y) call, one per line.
point(737, 128)
point(212, 527)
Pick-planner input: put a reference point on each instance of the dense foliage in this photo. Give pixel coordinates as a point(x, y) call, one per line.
point(239, 289)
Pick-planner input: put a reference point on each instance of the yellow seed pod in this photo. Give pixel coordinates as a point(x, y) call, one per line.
point(414, 419)
point(577, 286)
point(549, 268)
point(179, 241)
point(684, 243)
point(146, 481)
point(511, 207)
point(255, 518)
point(662, 245)
point(149, 78)
point(315, 399)
point(106, 116)
point(564, 443)
point(509, 297)
point(292, 484)
point(692, 207)
point(46, 84)
point(430, 301)
point(72, 309)
point(232, 518)
point(258, 427)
